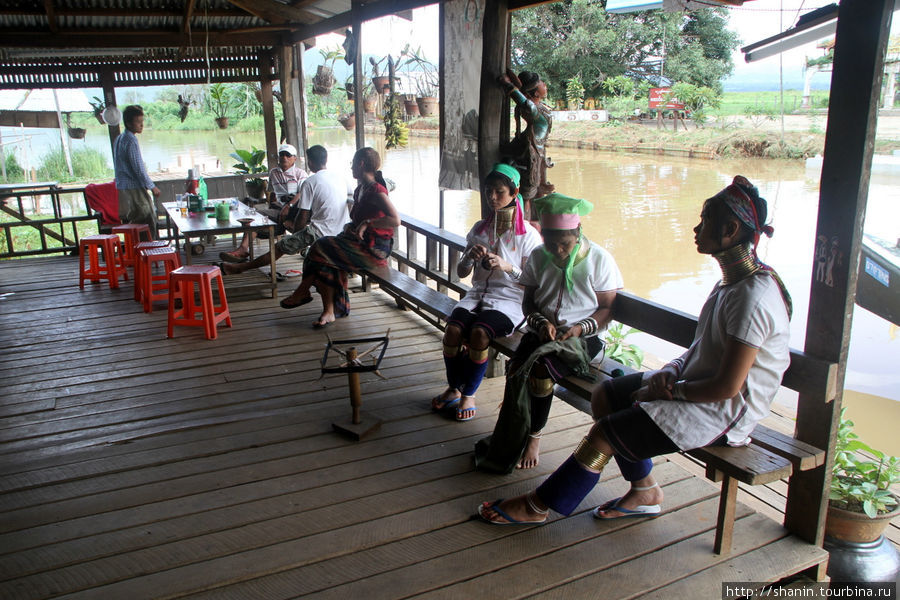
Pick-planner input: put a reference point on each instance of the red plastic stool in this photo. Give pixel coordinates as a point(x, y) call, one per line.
point(133, 233)
point(181, 285)
point(137, 265)
point(113, 267)
point(155, 287)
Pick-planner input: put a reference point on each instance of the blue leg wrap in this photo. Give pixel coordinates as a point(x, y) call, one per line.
point(566, 487)
point(474, 373)
point(633, 471)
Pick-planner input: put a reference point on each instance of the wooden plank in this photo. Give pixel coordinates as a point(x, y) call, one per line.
point(803, 456)
point(750, 464)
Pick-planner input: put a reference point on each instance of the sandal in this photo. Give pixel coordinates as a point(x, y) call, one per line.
point(444, 404)
point(286, 304)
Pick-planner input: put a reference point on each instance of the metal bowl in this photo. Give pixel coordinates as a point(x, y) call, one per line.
point(245, 220)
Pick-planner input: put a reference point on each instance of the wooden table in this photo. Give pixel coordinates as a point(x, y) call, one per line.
point(205, 224)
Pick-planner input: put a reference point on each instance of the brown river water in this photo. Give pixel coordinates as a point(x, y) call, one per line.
point(645, 207)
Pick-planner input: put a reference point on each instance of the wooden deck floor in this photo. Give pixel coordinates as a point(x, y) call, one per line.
point(133, 466)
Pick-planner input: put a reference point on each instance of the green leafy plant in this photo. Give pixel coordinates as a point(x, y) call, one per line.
point(619, 85)
point(426, 75)
point(218, 100)
point(250, 162)
point(860, 483)
point(619, 350)
point(575, 92)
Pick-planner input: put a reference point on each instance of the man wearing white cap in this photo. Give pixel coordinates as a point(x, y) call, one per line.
point(283, 193)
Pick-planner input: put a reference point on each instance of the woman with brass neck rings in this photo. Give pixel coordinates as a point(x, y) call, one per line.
point(496, 250)
point(713, 394)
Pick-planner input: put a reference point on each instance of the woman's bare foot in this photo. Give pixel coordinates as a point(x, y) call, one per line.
point(325, 319)
point(531, 455)
point(521, 509)
point(647, 497)
point(466, 409)
point(442, 401)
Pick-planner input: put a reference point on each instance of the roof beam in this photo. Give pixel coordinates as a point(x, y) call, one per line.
point(367, 12)
point(188, 14)
point(51, 16)
point(131, 39)
point(117, 12)
point(273, 12)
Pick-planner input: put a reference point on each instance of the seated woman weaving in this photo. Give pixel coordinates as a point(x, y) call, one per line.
point(365, 243)
point(496, 250)
point(713, 394)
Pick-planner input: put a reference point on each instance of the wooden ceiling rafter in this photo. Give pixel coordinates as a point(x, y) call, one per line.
point(121, 12)
point(50, 11)
point(274, 12)
point(188, 15)
point(367, 12)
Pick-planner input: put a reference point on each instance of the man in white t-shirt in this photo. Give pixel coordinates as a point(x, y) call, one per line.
point(323, 210)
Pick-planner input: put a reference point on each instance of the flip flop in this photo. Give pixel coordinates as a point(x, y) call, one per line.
point(509, 520)
point(459, 411)
point(285, 304)
point(643, 510)
point(293, 273)
point(446, 405)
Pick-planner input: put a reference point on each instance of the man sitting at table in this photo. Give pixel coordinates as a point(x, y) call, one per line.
point(283, 193)
point(323, 211)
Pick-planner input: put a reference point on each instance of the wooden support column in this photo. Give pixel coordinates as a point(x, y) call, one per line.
point(289, 91)
point(860, 46)
point(358, 74)
point(300, 94)
point(268, 106)
point(492, 101)
point(107, 82)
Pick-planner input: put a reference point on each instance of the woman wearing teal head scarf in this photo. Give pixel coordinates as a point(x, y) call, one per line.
point(496, 250)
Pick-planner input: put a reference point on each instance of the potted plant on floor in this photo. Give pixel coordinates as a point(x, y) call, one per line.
point(860, 507)
point(219, 102)
point(251, 162)
point(324, 80)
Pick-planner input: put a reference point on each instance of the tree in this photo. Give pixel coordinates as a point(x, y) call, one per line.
point(571, 37)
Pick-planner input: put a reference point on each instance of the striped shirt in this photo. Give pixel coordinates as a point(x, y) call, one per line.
point(131, 174)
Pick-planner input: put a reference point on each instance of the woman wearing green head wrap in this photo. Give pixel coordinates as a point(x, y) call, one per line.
point(496, 250)
point(570, 284)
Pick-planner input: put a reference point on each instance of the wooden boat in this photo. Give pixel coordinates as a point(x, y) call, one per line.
point(878, 289)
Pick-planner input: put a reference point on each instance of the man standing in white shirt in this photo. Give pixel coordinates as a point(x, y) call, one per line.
point(283, 193)
point(322, 202)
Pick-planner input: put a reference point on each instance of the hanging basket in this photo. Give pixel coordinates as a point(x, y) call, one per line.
point(428, 106)
point(77, 133)
point(412, 108)
point(323, 82)
point(222, 122)
point(348, 121)
point(369, 105)
point(382, 83)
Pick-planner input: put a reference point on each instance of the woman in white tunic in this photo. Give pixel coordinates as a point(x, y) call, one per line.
point(713, 394)
point(496, 249)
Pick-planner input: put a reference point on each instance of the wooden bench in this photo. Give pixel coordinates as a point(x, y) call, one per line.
point(771, 455)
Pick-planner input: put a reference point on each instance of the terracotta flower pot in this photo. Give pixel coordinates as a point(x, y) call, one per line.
point(412, 108)
point(369, 105)
point(222, 122)
point(856, 527)
point(381, 83)
point(348, 121)
point(428, 106)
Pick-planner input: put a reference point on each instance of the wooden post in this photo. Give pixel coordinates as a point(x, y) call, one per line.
point(355, 391)
point(860, 46)
point(356, 428)
point(492, 101)
point(288, 94)
point(63, 135)
point(268, 106)
point(358, 73)
point(300, 93)
point(107, 82)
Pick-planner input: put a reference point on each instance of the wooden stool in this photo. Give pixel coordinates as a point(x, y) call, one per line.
point(133, 233)
point(138, 289)
point(181, 285)
point(154, 287)
point(112, 257)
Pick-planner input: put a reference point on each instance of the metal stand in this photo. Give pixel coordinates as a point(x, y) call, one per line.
point(360, 424)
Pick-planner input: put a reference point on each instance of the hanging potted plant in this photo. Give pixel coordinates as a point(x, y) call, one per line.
point(860, 507)
point(426, 81)
point(411, 106)
point(381, 83)
point(250, 162)
point(98, 106)
point(324, 80)
point(76, 133)
point(348, 89)
point(219, 103)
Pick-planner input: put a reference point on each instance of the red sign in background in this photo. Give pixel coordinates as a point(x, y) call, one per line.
point(657, 99)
